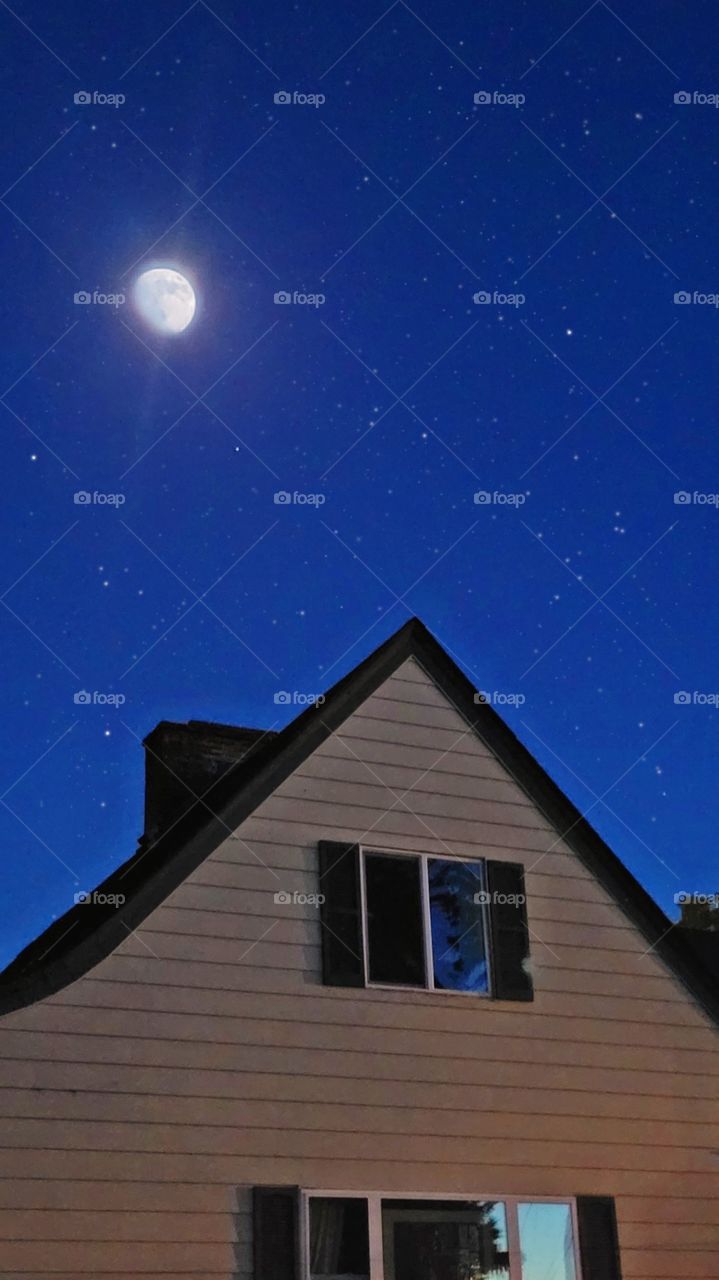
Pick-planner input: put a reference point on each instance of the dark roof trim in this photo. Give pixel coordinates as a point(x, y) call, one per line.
point(153, 872)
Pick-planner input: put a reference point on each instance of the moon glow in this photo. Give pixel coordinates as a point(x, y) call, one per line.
point(165, 299)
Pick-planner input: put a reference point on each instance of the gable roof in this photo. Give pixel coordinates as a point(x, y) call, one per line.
point(83, 936)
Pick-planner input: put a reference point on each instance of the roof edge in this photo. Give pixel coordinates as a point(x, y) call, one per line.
point(184, 846)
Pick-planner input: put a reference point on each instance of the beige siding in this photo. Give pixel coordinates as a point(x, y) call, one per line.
point(140, 1104)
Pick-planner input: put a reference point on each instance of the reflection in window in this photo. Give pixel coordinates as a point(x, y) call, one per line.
point(459, 951)
point(546, 1241)
point(394, 920)
point(339, 1239)
point(444, 1240)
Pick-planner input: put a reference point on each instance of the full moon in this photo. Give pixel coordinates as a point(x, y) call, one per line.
point(165, 299)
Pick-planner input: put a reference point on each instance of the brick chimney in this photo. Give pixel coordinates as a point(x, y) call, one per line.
point(182, 761)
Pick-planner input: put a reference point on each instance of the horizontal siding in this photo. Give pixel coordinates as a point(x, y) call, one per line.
point(161, 1114)
point(380, 1009)
point(24, 1138)
point(365, 819)
point(216, 963)
point(143, 1226)
point(369, 792)
point(264, 849)
point(401, 822)
point(176, 1085)
point(354, 1039)
point(519, 1176)
point(172, 1258)
point(378, 1067)
point(138, 1105)
point(337, 764)
point(95, 1258)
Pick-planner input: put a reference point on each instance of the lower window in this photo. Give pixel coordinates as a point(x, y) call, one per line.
point(374, 1237)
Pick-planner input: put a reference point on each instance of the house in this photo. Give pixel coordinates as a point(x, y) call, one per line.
point(371, 1000)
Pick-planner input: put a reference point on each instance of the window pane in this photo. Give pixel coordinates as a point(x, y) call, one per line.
point(546, 1241)
point(394, 920)
point(444, 1240)
point(459, 951)
point(339, 1239)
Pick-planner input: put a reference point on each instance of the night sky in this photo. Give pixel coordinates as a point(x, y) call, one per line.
point(587, 406)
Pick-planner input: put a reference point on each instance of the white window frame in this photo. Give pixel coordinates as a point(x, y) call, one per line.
point(423, 859)
point(374, 1217)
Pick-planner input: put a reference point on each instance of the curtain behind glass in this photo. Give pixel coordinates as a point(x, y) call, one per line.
point(326, 1226)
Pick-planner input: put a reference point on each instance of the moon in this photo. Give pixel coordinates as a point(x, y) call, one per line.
point(165, 299)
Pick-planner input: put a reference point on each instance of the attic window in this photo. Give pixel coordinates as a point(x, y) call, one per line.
point(417, 922)
point(425, 924)
point(394, 920)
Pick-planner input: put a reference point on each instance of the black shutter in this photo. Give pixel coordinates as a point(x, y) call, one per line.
point(275, 1233)
point(340, 915)
point(598, 1238)
point(511, 979)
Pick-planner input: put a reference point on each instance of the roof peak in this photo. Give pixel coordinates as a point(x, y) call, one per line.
point(86, 934)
